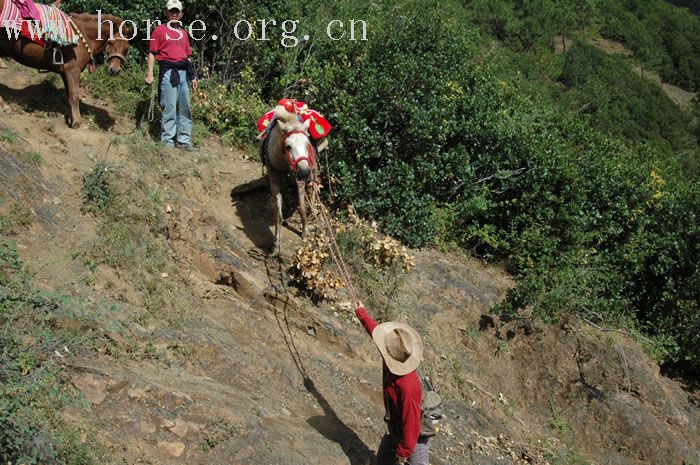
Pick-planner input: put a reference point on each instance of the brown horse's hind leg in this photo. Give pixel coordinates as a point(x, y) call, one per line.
point(71, 80)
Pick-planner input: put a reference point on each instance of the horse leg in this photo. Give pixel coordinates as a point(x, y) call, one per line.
point(311, 195)
point(276, 197)
point(71, 79)
point(301, 192)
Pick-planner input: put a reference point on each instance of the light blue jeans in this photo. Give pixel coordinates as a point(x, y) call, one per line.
point(176, 118)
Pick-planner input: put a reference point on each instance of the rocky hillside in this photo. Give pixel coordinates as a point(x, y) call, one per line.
point(200, 352)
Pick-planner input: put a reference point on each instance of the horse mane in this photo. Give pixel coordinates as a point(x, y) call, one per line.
point(288, 118)
point(91, 19)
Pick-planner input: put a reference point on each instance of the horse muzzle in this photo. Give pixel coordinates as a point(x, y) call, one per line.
point(114, 71)
point(303, 173)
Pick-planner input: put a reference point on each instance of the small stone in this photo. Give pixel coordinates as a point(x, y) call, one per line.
point(174, 449)
point(147, 427)
point(115, 386)
point(136, 393)
point(180, 428)
point(167, 424)
point(286, 412)
point(93, 389)
point(168, 209)
point(164, 275)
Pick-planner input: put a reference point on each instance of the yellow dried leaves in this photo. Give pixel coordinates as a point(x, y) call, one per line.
point(313, 267)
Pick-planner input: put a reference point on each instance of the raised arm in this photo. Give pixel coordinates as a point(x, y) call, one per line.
point(365, 319)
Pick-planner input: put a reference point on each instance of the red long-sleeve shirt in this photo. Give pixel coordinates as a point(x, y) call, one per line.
point(402, 395)
point(170, 43)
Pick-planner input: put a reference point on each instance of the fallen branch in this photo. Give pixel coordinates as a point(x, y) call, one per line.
point(474, 385)
point(494, 398)
point(613, 330)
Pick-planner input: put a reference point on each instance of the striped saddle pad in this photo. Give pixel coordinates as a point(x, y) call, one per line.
point(52, 26)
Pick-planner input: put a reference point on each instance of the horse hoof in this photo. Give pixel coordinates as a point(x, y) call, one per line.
point(276, 252)
point(77, 125)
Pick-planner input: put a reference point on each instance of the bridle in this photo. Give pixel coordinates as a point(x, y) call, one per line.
point(110, 55)
point(310, 156)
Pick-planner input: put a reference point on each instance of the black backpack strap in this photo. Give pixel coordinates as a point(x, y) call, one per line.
point(425, 382)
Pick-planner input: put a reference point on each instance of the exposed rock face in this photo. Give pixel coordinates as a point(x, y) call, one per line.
point(93, 388)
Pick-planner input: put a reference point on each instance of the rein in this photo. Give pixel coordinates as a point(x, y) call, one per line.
point(310, 155)
point(323, 220)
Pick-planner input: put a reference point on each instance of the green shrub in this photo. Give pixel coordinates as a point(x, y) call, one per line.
point(664, 37)
point(232, 110)
point(99, 188)
point(621, 103)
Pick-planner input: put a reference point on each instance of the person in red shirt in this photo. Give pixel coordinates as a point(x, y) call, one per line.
point(402, 352)
point(170, 45)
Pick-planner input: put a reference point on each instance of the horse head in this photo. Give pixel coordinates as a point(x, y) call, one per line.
point(117, 49)
point(298, 149)
point(105, 33)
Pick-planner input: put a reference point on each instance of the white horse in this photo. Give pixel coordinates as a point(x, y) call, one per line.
point(289, 154)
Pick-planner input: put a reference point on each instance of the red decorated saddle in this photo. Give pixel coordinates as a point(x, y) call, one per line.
point(318, 128)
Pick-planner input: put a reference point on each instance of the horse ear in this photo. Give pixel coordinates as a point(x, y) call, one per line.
point(283, 126)
point(128, 30)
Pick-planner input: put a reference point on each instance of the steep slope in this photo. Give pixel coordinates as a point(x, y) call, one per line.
point(202, 353)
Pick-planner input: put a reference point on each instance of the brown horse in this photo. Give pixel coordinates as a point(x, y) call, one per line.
point(289, 153)
point(75, 58)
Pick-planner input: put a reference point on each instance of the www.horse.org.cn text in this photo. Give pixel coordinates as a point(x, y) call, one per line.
point(242, 29)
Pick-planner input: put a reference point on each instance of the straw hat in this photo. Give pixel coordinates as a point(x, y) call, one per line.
point(400, 346)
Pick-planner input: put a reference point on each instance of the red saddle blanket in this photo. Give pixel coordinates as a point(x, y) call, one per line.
point(318, 128)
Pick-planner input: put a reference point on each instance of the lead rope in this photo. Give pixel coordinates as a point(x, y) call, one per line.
point(323, 220)
point(151, 105)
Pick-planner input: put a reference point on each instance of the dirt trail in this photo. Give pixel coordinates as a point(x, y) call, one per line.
point(240, 369)
point(679, 96)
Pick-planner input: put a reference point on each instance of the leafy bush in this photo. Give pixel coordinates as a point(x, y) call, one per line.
point(375, 262)
point(621, 103)
point(666, 38)
point(231, 110)
point(99, 188)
